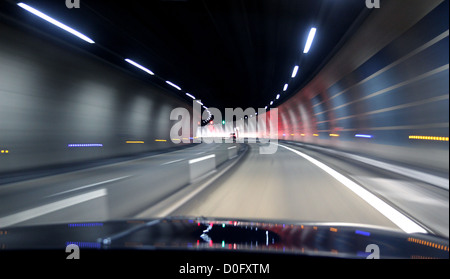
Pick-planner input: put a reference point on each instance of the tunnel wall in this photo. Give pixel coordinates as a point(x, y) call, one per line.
point(390, 80)
point(53, 95)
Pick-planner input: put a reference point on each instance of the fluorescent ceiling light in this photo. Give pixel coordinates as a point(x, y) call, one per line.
point(190, 96)
point(55, 22)
point(173, 85)
point(278, 96)
point(294, 72)
point(139, 66)
point(265, 107)
point(199, 102)
point(271, 102)
point(285, 87)
point(309, 42)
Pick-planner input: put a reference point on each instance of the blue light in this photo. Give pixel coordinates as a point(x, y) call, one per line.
point(85, 225)
point(363, 136)
point(362, 254)
point(84, 244)
point(362, 233)
point(85, 145)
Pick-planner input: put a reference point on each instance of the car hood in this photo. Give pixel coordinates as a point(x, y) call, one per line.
point(341, 240)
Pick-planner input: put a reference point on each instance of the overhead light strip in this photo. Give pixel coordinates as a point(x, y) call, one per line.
point(173, 85)
point(312, 34)
point(294, 72)
point(55, 22)
point(139, 66)
point(190, 96)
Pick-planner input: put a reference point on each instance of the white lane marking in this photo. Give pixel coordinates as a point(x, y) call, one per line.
point(193, 161)
point(90, 185)
point(201, 153)
point(51, 207)
point(388, 211)
point(231, 147)
point(418, 175)
point(171, 162)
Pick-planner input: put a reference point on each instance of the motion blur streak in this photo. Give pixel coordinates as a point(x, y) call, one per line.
point(389, 96)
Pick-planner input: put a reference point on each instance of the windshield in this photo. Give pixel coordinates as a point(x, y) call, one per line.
point(282, 111)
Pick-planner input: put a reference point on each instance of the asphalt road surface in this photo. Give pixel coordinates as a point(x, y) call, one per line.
point(294, 184)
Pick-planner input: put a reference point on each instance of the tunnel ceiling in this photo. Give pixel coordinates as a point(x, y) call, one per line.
point(226, 53)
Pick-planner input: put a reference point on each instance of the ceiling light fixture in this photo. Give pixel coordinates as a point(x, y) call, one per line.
point(173, 85)
point(294, 72)
point(139, 66)
point(55, 22)
point(309, 42)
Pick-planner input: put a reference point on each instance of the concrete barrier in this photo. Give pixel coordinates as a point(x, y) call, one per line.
point(201, 166)
point(232, 151)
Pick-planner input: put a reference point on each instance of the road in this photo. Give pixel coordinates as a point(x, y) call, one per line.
point(107, 192)
point(290, 185)
point(283, 186)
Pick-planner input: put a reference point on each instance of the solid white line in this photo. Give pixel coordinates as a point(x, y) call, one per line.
point(193, 161)
point(90, 185)
point(51, 207)
point(174, 161)
point(418, 175)
point(388, 211)
point(231, 147)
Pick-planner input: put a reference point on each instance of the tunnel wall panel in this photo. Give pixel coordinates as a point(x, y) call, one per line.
point(53, 95)
point(389, 80)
